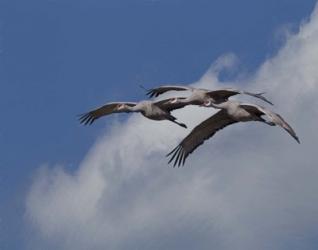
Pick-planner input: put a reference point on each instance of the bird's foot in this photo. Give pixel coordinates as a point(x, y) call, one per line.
point(183, 125)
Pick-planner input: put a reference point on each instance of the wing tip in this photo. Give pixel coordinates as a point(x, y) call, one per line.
point(86, 119)
point(178, 157)
point(152, 93)
point(297, 139)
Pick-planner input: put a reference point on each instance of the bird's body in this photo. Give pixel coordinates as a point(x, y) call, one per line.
point(199, 96)
point(154, 110)
point(150, 110)
point(231, 112)
point(234, 110)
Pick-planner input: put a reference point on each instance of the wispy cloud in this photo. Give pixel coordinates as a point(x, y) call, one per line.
point(250, 187)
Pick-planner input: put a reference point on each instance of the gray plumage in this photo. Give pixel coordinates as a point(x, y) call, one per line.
point(199, 96)
point(231, 112)
point(154, 110)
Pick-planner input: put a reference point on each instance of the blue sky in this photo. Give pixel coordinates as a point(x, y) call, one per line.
point(61, 58)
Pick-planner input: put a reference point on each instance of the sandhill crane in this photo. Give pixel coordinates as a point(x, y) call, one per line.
point(199, 96)
point(231, 112)
point(154, 110)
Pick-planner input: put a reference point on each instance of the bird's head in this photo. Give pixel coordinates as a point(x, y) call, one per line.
point(174, 100)
point(121, 106)
point(206, 103)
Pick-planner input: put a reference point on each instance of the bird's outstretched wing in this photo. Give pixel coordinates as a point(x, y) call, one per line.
point(171, 103)
point(273, 117)
point(222, 95)
point(198, 135)
point(154, 92)
point(107, 109)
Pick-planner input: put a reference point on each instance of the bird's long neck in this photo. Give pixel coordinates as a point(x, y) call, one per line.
point(182, 100)
point(135, 108)
point(188, 100)
point(221, 105)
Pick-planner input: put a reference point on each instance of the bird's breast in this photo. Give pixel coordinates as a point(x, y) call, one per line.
point(240, 115)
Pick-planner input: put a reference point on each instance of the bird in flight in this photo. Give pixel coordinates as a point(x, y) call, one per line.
point(198, 96)
point(231, 112)
point(154, 110)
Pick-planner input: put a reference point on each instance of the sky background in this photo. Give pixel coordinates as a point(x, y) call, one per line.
point(61, 58)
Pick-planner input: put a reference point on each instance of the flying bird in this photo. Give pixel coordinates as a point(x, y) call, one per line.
point(199, 96)
point(154, 110)
point(231, 112)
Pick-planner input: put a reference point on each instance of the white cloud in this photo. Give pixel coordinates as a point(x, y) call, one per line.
point(250, 187)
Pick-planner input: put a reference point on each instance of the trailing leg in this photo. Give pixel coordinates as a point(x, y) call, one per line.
point(180, 124)
point(173, 119)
